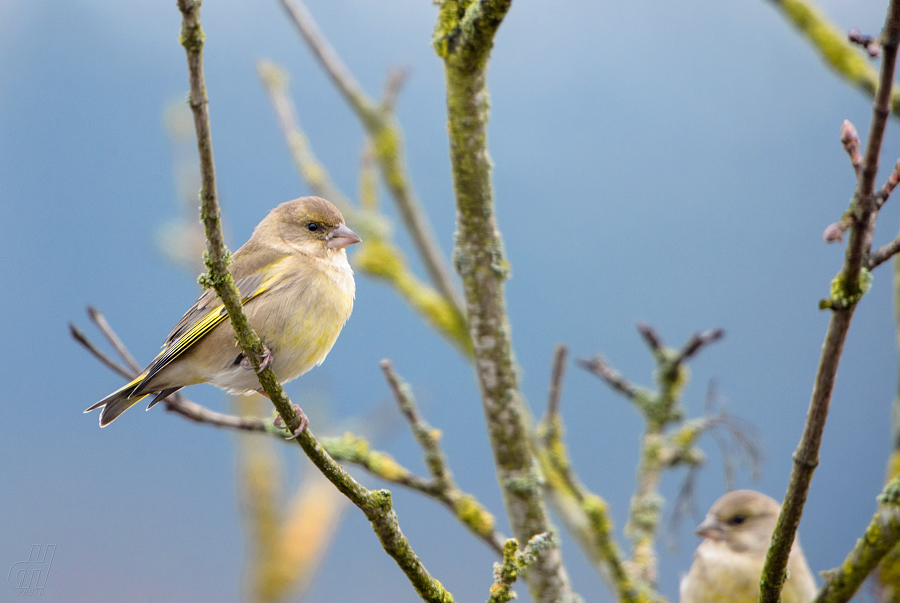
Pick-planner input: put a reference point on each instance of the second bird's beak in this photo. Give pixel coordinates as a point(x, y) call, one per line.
point(710, 528)
point(342, 237)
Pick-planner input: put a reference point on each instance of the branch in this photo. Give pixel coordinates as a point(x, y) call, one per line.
point(375, 504)
point(847, 289)
point(515, 562)
point(379, 123)
point(463, 39)
point(882, 533)
point(659, 451)
point(377, 256)
point(585, 514)
point(834, 46)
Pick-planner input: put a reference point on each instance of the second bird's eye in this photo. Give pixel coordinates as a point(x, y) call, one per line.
point(312, 226)
point(737, 520)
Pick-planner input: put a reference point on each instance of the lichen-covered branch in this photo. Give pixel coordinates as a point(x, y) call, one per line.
point(515, 562)
point(881, 535)
point(468, 510)
point(834, 47)
point(659, 450)
point(376, 505)
point(848, 288)
point(463, 39)
point(381, 126)
point(377, 256)
point(585, 514)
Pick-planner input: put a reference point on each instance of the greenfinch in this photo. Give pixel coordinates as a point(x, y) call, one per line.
point(728, 563)
point(297, 289)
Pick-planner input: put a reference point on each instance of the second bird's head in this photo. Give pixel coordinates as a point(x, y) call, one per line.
point(310, 225)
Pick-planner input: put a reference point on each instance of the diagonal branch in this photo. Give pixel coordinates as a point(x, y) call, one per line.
point(848, 288)
point(881, 535)
point(376, 505)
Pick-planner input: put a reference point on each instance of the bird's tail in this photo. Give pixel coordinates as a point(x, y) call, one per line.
point(118, 402)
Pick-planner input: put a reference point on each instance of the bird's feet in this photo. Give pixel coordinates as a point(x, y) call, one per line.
point(304, 422)
point(266, 360)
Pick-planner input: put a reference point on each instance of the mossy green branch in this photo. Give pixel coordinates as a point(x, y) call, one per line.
point(375, 505)
point(881, 535)
point(514, 563)
point(585, 514)
point(846, 59)
point(479, 259)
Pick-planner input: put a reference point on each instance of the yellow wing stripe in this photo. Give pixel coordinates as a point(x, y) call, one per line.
point(197, 331)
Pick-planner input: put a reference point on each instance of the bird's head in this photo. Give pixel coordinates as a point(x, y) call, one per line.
point(311, 225)
point(743, 519)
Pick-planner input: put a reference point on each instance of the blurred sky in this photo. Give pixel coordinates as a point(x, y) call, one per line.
point(672, 163)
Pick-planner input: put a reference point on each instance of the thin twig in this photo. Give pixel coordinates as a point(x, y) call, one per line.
point(598, 366)
point(848, 288)
point(375, 504)
point(556, 378)
point(696, 342)
point(100, 321)
point(79, 336)
point(472, 514)
point(883, 254)
point(395, 80)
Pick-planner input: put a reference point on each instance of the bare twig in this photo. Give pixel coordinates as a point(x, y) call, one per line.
point(556, 377)
point(870, 43)
point(883, 253)
point(847, 289)
point(395, 80)
point(100, 321)
point(613, 378)
point(696, 342)
point(650, 337)
point(79, 336)
point(376, 505)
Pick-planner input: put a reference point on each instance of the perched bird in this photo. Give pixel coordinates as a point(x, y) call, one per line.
point(729, 561)
point(297, 289)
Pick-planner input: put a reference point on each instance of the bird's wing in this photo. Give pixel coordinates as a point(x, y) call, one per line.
point(206, 313)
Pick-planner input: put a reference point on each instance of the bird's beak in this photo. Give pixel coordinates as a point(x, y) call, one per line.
point(710, 528)
point(342, 237)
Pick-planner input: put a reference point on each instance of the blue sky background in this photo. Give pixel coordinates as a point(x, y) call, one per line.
point(672, 163)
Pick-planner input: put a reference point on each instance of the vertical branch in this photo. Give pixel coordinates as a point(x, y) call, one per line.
point(847, 289)
point(463, 39)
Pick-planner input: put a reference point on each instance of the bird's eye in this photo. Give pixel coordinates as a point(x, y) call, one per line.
point(737, 520)
point(312, 227)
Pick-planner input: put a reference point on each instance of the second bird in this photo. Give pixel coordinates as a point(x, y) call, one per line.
point(297, 290)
